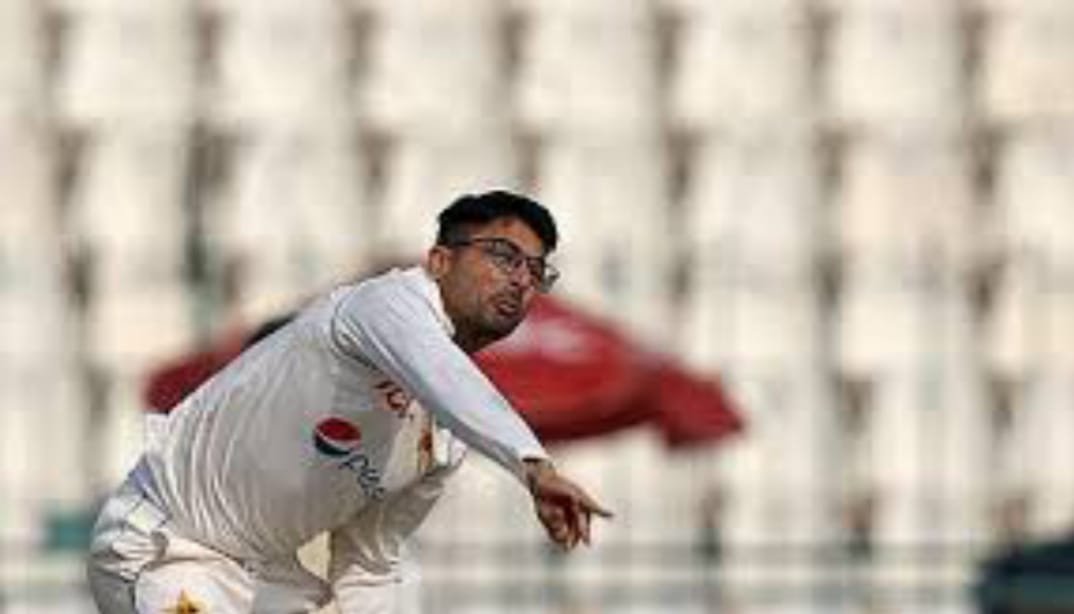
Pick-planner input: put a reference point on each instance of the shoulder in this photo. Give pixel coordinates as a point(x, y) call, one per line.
point(397, 284)
point(404, 293)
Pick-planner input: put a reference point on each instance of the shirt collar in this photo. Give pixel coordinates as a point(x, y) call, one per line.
point(431, 290)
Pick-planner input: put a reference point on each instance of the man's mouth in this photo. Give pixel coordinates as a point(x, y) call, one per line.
point(509, 307)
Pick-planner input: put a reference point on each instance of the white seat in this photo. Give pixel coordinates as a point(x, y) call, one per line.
point(750, 325)
point(1027, 60)
point(908, 200)
point(1034, 183)
point(128, 201)
point(43, 437)
point(756, 201)
point(735, 70)
point(28, 163)
point(283, 68)
point(781, 481)
point(77, 9)
point(609, 196)
point(565, 82)
point(427, 173)
point(22, 58)
point(433, 70)
point(129, 67)
point(926, 439)
point(1002, 8)
point(894, 66)
point(118, 436)
point(925, 431)
point(129, 328)
point(37, 320)
point(893, 320)
point(916, 7)
point(693, 9)
point(229, 9)
point(295, 217)
point(1032, 319)
point(1038, 451)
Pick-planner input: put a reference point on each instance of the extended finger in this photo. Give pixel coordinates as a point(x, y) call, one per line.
point(591, 506)
point(584, 520)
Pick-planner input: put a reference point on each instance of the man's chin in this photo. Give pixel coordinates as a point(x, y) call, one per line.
point(502, 326)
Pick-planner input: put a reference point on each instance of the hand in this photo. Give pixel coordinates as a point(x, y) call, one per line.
point(562, 506)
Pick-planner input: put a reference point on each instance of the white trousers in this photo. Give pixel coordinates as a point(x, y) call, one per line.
point(137, 564)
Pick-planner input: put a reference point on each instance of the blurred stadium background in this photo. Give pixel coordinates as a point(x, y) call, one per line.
point(859, 212)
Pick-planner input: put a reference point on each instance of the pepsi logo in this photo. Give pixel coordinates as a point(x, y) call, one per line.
point(336, 437)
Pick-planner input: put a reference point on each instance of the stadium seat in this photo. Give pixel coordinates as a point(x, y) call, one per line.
point(689, 9)
point(736, 70)
point(1026, 59)
point(925, 443)
point(564, 80)
point(756, 201)
point(127, 202)
point(909, 200)
point(1037, 451)
point(118, 436)
point(610, 197)
point(1001, 8)
point(1031, 318)
point(31, 216)
point(764, 323)
point(893, 319)
point(282, 68)
point(37, 319)
point(23, 57)
point(424, 174)
point(916, 7)
point(35, 316)
point(239, 8)
point(129, 68)
point(44, 417)
point(294, 217)
point(431, 70)
point(895, 66)
point(779, 487)
point(81, 8)
point(926, 431)
point(130, 327)
point(1034, 181)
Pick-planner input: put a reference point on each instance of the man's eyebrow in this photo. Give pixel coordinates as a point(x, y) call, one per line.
point(512, 244)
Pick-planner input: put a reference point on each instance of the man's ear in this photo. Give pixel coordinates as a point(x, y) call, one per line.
point(438, 261)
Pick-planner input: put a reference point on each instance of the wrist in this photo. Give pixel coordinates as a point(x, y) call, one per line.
point(534, 469)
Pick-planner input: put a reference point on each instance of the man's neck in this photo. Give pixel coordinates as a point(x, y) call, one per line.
point(471, 343)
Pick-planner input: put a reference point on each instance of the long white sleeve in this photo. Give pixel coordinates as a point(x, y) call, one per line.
point(396, 324)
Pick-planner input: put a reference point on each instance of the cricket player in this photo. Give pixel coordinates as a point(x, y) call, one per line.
point(347, 420)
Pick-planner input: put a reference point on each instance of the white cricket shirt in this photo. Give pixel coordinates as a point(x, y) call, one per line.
point(329, 413)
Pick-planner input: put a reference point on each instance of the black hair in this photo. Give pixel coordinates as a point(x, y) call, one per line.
point(477, 209)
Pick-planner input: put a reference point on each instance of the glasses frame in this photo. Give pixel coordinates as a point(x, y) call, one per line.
point(543, 274)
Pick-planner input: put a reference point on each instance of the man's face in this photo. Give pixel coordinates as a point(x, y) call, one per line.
point(485, 298)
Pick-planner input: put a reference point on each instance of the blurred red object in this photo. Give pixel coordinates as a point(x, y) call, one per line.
point(570, 374)
point(574, 376)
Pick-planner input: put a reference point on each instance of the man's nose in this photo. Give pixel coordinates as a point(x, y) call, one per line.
point(521, 275)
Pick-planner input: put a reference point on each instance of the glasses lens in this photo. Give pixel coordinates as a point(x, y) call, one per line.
point(509, 257)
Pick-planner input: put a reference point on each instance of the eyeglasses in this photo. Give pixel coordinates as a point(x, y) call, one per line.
point(509, 257)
